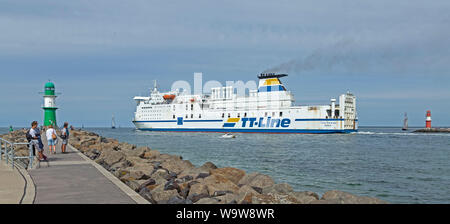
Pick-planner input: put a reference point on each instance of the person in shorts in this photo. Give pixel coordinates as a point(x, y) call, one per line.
point(51, 139)
point(65, 137)
point(36, 141)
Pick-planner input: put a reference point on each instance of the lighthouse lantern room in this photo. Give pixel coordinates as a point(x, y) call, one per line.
point(49, 105)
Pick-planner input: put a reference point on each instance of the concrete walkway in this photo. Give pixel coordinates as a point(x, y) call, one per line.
point(72, 178)
point(11, 185)
point(16, 186)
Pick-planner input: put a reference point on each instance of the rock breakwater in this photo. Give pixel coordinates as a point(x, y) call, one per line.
point(169, 179)
point(433, 130)
point(18, 136)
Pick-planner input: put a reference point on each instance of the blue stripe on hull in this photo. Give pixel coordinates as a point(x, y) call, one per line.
point(203, 120)
point(287, 131)
point(160, 121)
point(307, 119)
point(319, 119)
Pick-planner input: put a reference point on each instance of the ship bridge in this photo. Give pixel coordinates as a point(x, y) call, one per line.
point(271, 94)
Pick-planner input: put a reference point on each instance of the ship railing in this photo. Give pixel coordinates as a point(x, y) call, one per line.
point(7, 151)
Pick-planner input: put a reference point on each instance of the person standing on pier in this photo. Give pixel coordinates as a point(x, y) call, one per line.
point(65, 137)
point(51, 139)
point(35, 135)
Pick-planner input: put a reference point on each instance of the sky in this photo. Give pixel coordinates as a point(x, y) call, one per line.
point(393, 55)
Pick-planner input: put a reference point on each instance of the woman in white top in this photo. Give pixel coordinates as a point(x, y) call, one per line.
point(51, 139)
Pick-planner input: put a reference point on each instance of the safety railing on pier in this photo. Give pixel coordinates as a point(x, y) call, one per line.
point(7, 152)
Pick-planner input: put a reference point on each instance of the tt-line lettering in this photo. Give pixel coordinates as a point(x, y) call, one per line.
point(270, 123)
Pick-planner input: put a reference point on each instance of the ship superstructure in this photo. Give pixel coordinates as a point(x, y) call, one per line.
point(268, 109)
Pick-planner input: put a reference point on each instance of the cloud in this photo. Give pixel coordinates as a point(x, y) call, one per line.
point(123, 45)
point(86, 26)
point(438, 94)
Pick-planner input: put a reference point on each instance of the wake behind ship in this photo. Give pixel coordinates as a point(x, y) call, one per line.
point(269, 109)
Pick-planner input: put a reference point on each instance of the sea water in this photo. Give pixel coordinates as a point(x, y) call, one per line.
point(387, 163)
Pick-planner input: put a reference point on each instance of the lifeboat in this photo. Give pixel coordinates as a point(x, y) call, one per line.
point(169, 97)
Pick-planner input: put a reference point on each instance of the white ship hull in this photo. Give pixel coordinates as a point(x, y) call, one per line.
point(286, 125)
point(309, 127)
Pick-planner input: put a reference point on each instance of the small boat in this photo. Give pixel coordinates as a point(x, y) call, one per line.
point(228, 135)
point(405, 123)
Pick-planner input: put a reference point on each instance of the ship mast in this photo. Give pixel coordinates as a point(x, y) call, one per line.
point(155, 87)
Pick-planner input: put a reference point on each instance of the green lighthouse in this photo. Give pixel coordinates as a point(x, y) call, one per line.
point(49, 105)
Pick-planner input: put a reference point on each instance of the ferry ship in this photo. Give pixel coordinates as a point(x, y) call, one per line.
point(268, 109)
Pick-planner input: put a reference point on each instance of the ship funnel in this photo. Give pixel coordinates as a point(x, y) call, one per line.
point(333, 108)
point(270, 75)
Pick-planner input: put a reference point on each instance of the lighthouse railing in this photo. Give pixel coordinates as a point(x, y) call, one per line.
point(7, 150)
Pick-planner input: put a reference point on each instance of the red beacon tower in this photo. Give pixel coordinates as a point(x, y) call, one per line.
point(428, 120)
